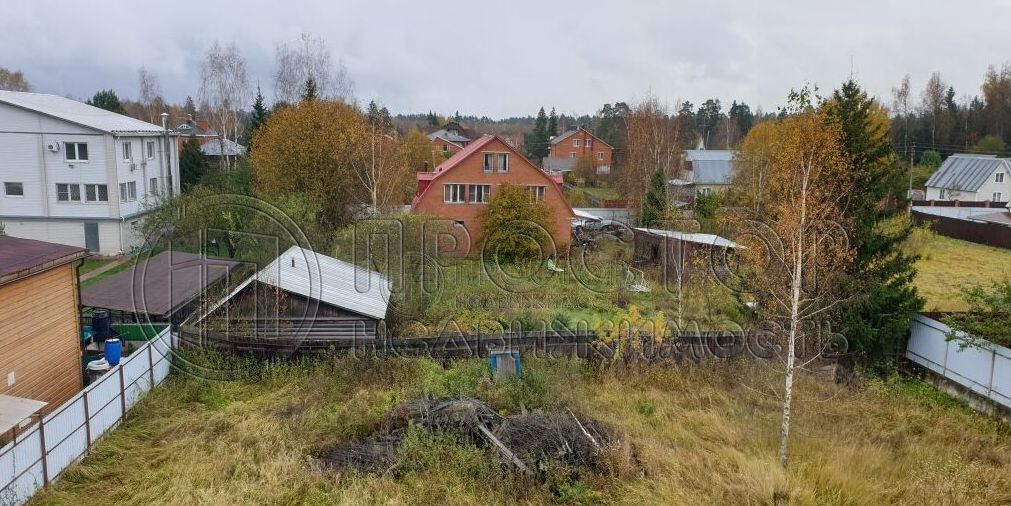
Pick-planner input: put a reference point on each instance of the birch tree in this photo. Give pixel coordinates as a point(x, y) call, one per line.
point(224, 88)
point(654, 142)
point(150, 95)
point(381, 166)
point(308, 58)
point(798, 248)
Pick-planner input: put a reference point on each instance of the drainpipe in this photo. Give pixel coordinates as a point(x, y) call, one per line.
point(168, 154)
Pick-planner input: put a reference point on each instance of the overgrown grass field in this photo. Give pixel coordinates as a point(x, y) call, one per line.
point(948, 264)
point(698, 435)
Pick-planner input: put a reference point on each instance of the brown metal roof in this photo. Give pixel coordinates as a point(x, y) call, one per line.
point(159, 285)
point(20, 258)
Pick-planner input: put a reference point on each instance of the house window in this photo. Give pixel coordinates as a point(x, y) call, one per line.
point(479, 193)
point(572, 154)
point(600, 155)
point(536, 193)
point(454, 193)
point(999, 178)
point(127, 151)
point(14, 189)
point(150, 150)
point(997, 197)
point(589, 143)
point(75, 151)
point(153, 185)
point(128, 191)
point(576, 143)
point(96, 193)
point(68, 192)
point(445, 148)
point(705, 191)
point(497, 162)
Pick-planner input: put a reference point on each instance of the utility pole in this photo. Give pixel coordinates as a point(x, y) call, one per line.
point(909, 194)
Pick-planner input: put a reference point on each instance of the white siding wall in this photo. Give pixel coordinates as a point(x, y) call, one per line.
point(24, 159)
point(986, 191)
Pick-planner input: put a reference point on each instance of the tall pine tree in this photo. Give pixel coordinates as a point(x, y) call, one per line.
point(192, 165)
point(309, 94)
point(536, 142)
point(552, 124)
point(655, 207)
point(258, 116)
point(876, 321)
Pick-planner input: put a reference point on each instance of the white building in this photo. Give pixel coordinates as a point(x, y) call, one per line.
point(977, 178)
point(79, 175)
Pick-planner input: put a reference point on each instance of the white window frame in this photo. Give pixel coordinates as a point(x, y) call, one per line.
point(503, 159)
point(705, 192)
point(499, 162)
point(577, 143)
point(153, 186)
point(127, 151)
point(98, 194)
point(572, 154)
point(128, 191)
point(71, 189)
point(997, 197)
point(537, 192)
point(150, 149)
point(474, 191)
point(600, 155)
point(588, 143)
point(7, 189)
point(454, 193)
point(999, 177)
point(77, 152)
point(445, 147)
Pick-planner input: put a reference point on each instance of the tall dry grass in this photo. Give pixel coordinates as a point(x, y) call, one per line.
point(702, 434)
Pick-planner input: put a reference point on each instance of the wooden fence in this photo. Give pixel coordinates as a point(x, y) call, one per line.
point(692, 346)
point(990, 234)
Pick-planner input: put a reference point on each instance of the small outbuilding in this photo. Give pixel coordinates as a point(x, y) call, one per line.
point(680, 252)
point(165, 288)
point(304, 295)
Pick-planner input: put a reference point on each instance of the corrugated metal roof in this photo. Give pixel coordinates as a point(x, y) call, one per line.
point(79, 113)
point(710, 239)
point(558, 164)
point(444, 134)
point(326, 279)
point(709, 154)
point(966, 172)
point(213, 148)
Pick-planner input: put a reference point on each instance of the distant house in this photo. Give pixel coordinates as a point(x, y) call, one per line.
point(40, 338)
point(78, 175)
point(460, 188)
point(212, 145)
point(707, 171)
point(977, 178)
point(449, 139)
point(305, 295)
point(576, 143)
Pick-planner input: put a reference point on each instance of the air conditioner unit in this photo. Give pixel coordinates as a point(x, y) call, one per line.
point(53, 146)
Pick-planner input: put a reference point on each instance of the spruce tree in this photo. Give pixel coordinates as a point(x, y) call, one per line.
point(875, 321)
point(552, 124)
point(655, 207)
point(258, 116)
point(192, 165)
point(107, 99)
point(536, 142)
point(310, 90)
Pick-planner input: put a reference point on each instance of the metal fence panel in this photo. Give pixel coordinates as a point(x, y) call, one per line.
point(1002, 378)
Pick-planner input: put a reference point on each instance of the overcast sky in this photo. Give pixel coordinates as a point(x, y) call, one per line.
point(506, 58)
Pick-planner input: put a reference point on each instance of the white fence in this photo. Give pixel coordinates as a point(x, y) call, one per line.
point(984, 370)
point(37, 456)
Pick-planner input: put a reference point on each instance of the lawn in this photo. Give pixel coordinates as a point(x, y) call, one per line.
point(697, 435)
point(948, 264)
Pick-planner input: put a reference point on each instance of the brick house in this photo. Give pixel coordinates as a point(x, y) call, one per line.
point(460, 188)
point(449, 139)
point(577, 143)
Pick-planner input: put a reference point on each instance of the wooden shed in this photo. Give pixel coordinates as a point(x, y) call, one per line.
point(303, 295)
point(681, 252)
point(40, 337)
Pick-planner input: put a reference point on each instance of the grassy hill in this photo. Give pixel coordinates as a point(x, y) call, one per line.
point(947, 264)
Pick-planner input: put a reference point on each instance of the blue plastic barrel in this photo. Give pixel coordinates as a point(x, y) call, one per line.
point(113, 351)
